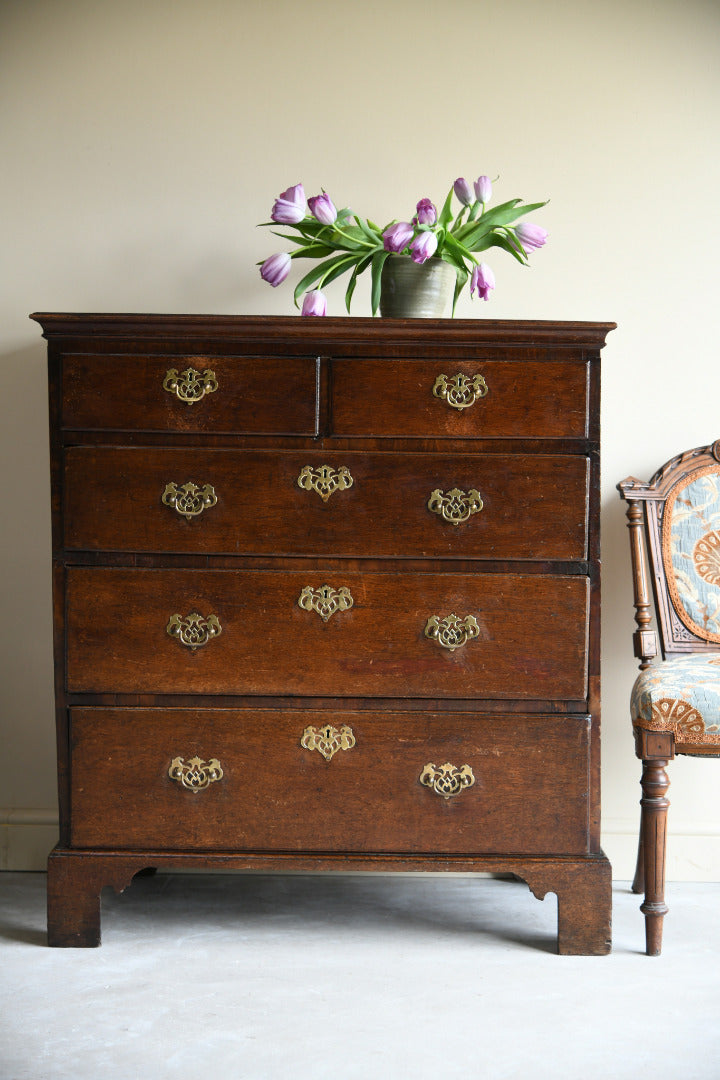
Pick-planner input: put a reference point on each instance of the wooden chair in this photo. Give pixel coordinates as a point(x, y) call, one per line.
point(674, 523)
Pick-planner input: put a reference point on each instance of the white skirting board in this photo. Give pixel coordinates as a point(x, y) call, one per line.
point(26, 838)
point(28, 835)
point(693, 849)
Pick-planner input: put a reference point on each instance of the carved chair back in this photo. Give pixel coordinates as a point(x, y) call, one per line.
point(678, 511)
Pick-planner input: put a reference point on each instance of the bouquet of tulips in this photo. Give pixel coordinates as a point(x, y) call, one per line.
point(344, 242)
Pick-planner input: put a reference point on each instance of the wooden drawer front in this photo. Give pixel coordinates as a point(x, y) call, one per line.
point(532, 507)
point(533, 399)
point(529, 640)
point(529, 790)
point(253, 395)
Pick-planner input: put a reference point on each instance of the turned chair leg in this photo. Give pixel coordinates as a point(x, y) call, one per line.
point(654, 805)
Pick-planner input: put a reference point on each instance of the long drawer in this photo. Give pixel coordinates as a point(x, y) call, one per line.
point(460, 399)
point(242, 395)
point(328, 633)
point(510, 506)
point(316, 781)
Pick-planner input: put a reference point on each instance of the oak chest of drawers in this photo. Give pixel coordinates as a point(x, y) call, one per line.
point(326, 596)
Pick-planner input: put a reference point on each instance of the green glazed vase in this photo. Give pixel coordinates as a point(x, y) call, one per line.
point(410, 290)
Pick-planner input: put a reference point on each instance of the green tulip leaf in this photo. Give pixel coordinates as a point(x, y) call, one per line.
point(457, 249)
point(373, 236)
point(446, 214)
point(461, 281)
point(313, 251)
point(340, 267)
point(359, 268)
point(378, 261)
point(508, 243)
point(316, 273)
point(302, 240)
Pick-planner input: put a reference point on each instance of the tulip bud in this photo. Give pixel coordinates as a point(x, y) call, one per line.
point(275, 269)
point(426, 213)
point(314, 303)
point(530, 236)
point(423, 247)
point(289, 207)
point(397, 237)
point(483, 189)
point(322, 209)
point(483, 280)
point(463, 191)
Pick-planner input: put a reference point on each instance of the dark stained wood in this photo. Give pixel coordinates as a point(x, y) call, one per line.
point(266, 394)
point(113, 503)
point(656, 751)
point(582, 884)
point(644, 638)
point(536, 399)
point(531, 643)
point(370, 795)
point(520, 704)
point(100, 332)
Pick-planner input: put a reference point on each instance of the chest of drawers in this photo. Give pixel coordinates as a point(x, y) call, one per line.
point(326, 596)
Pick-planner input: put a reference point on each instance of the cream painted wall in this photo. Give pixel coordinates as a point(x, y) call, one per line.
point(144, 139)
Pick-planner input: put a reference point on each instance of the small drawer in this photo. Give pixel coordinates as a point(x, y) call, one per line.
point(214, 394)
point(327, 633)
point(460, 399)
point(184, 779)
point(347, 504)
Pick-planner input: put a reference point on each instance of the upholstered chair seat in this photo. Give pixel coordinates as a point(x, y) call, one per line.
point(682, 696)
point(674, 522)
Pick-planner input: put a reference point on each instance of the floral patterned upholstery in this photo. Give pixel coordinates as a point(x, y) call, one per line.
point(681, 695)
point(691, 551)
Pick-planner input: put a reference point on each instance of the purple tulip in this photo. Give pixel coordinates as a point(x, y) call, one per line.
point(275, 269)
point(483, 280)
point(426, 213)
point(483, 189)
point(463, 191)
point(289, 207)
point(530, 236)
point(314, 303)
point(321, 208)
point(397, 237)
point(423, 247)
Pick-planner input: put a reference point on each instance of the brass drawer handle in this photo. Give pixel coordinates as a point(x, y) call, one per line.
point(189, 500)
point(327, 740)
point(190, 385)
point(447, 780)
point(455, 506)
point(460, 391)
point(195, 774)
point(325, 480)
point(452, 632)
point(325, 600)
point(194, 631)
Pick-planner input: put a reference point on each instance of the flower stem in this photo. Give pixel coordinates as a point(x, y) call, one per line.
point(364, 243)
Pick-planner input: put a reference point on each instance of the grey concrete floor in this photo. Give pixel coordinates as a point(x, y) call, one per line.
point(258, 977)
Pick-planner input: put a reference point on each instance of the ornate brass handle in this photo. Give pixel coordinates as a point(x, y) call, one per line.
point(325, 600)
point(460, 391)
point(195, 774)
point(447, 780)
point(327, 740)
point(194, 631)
point(455, 506)
point(452, 632)
point(325, 480)
point(189, 500)
point(190, 385)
